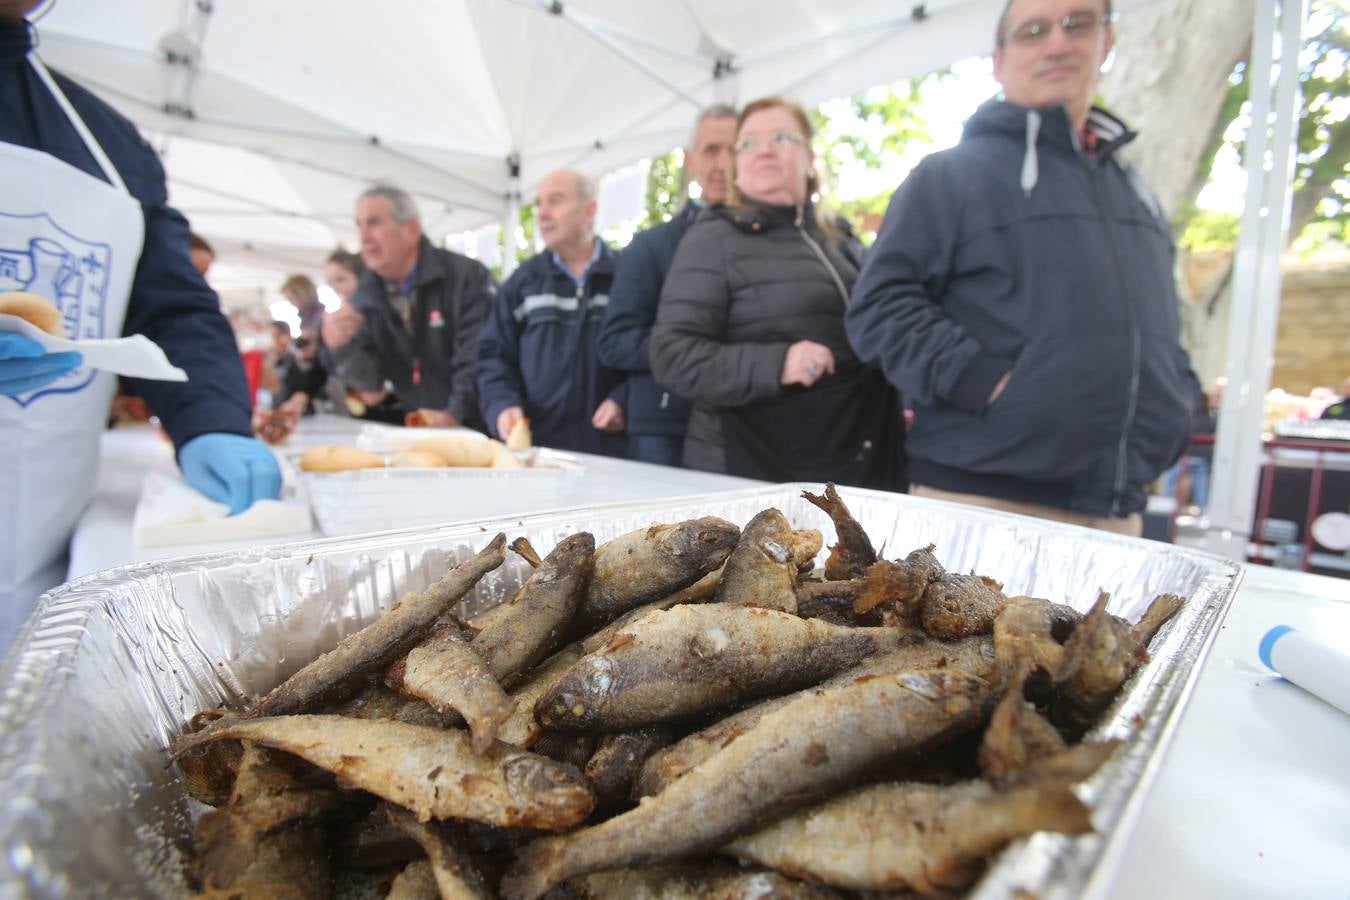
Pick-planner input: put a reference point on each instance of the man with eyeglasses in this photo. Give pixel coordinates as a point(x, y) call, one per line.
point(1020, 294)
point(657, 418)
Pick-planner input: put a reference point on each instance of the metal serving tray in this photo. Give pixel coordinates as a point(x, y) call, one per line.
point(109, 667)
point(365, 500)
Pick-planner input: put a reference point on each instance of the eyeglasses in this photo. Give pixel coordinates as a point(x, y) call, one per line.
point(1075, 25)
point(777, 139)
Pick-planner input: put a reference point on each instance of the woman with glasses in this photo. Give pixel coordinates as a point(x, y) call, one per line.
point(750, 325)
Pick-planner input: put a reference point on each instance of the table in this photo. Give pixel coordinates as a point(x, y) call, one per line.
point(1252, 798)
point(103, 537)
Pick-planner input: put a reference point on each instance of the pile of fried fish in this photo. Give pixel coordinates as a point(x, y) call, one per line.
point(688, 710)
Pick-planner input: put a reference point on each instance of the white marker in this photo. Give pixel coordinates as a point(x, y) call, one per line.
point(1311, 665)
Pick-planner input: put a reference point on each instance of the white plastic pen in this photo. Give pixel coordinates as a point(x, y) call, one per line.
point(1308, 663)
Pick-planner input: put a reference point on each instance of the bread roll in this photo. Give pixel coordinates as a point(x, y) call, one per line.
point(458, 451)
point(32, 308)
point(520, 437)
point(417, 459)
point(336, 458)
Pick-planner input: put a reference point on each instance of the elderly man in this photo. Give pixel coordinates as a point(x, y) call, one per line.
point(414, 317)
point(656, 417)
point(536, 355)
point(1020, 294)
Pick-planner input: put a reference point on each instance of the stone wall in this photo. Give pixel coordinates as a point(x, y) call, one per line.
point(1312, 344)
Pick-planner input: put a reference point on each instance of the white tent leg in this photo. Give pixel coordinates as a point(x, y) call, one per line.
point(512, 220)
point(1256, 274)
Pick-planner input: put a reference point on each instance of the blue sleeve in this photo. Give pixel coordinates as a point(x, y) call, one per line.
point(498, 357)
point(896, 320)
point(627, 326)
point(172, 305)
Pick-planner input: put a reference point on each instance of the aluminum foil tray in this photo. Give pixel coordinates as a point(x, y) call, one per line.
point(109, 667)
point(367, 500)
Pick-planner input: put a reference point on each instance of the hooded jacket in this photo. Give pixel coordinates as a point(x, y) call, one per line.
point(1017, 251)
point(170, 302)
point(537, 351)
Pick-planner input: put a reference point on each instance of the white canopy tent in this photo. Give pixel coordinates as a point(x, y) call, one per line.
point(273, 116)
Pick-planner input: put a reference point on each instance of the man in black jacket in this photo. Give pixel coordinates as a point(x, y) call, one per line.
point(414, 317)
point(656, 417)
point(1020, 294)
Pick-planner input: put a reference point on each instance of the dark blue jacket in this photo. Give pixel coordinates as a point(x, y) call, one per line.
point(170, 303)
point(537, 351)
point(1031, 256)
point(626, 331)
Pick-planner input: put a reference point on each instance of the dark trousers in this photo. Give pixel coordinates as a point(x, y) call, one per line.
point(662, 449)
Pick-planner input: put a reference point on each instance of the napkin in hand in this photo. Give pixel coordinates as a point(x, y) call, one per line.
point(170, 512)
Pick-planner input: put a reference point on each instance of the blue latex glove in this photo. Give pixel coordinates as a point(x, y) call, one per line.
point(231, 469)
point(25, 365)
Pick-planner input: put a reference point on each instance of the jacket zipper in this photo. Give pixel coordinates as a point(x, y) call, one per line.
point(824, 260)
point(1132, 399)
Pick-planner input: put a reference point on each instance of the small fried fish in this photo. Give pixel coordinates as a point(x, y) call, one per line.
point(617, 760)
point(341, 670)
point(974, 656)
point(804, 750)
point(853, 553)
point(449, 674)
point(956, 606)
point(910, 835)
point(688, 660)
point(761, 570)
point(454, 870)
point(537, 617)
point(693, 880)
point(433, 772)
point(653, 563)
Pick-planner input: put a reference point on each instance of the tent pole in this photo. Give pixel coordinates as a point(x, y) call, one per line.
point(512, 220)
point(1238, 453)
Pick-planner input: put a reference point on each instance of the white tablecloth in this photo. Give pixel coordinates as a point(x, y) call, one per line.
point(1252, 799)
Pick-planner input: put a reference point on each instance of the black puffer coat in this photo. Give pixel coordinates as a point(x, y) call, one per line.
point(748, 282)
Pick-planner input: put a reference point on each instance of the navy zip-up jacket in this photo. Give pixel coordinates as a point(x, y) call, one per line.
point(537, 351)
point(170, 302)
point(627, 327)
point(1016, 251)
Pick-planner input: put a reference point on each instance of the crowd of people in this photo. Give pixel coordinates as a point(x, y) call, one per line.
point(1019, 301)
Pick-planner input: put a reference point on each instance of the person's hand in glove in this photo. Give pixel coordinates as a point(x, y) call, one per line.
point(231, 469)
point(25, 365)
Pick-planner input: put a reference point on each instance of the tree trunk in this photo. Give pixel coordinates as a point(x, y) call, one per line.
point(1168, 80)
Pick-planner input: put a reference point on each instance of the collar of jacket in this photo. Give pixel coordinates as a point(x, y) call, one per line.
point(1002, 117)
point(16, 39)
point(752, 216)
point(430, 266)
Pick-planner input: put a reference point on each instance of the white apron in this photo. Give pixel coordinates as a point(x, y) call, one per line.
point(74, 239)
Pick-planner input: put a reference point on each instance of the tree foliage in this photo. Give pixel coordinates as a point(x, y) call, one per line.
point(877, 126)
point(666, 188)
point(1321, 202)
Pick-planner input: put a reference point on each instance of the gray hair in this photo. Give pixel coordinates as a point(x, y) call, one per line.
point(716, 111)
point(585, 189)
point(404, 207)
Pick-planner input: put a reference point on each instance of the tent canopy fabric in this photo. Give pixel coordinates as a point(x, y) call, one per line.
point(272, 116)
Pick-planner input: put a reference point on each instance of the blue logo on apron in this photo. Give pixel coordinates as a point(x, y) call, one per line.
point(70, 272)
